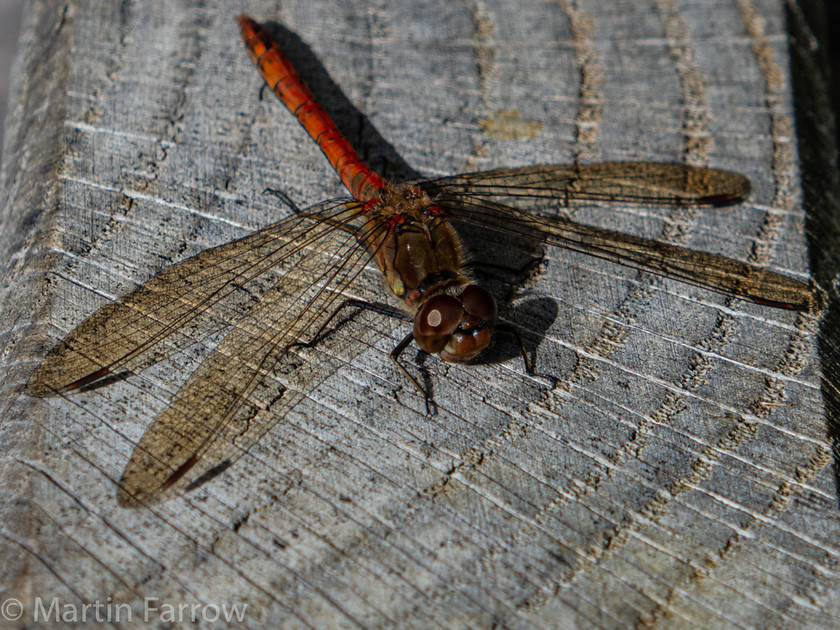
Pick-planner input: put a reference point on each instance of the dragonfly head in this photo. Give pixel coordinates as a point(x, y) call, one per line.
point(458, 326)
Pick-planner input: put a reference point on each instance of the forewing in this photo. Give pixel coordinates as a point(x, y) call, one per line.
point(158, 317)
point(254, 376)
point(628, 182)
point(496, 199)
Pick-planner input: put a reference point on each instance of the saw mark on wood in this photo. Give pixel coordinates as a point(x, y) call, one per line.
point(590, 85)
point(696, 129)
point(484, 62)
point(713, 561)
point(202, 550)
point(171, 112)
point(783, 163)
point(697, 138)
point(792, 362)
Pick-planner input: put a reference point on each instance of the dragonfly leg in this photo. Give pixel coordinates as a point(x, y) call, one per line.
point(382, 309)
point(529, 367)
point(284, 198)
point(395, 357)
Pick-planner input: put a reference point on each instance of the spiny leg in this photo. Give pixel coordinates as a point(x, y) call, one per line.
point(395, 354)
point(382, 309)
point(509, 329)
point(282, 196)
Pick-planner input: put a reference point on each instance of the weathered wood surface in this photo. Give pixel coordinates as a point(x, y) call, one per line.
point(677, 474)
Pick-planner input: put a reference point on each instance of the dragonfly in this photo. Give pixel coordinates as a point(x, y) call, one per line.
point(307, 261)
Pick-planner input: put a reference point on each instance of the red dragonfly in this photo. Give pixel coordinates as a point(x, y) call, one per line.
point(308, 261)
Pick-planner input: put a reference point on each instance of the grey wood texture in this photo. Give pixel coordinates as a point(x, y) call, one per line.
point(676, 474)
point(10, 12)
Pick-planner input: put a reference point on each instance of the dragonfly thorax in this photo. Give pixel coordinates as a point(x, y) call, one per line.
point(399, 198)
point(459, 326)
point(415, 245)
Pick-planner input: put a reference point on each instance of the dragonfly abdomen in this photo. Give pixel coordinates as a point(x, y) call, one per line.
point(278, 72)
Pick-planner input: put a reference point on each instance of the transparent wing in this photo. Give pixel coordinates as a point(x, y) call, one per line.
point(629, 182)
point(496, 200)
point(161, 316)
point(253, 377)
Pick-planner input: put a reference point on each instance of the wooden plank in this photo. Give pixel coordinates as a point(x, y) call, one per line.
point(676, 472)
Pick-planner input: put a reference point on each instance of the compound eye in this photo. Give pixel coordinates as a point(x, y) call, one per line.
point(479, 303)
point(436, 321)
point(439, 316)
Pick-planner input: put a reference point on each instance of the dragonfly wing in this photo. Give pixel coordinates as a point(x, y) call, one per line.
point(628, 182)
point(160, 316)
point(495, 202)
point(253, 376)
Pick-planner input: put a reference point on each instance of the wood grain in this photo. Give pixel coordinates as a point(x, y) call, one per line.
point(675, 473)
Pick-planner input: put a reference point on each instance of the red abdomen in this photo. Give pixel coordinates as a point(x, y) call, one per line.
point(360, 180)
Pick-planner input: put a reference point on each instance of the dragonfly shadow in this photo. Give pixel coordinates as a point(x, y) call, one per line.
point(105, 382)
point(505, 265)
point(379, 154)
point(531, 319)
point(209, 475)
